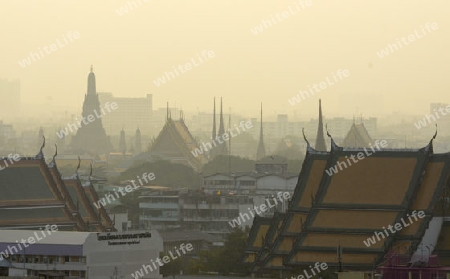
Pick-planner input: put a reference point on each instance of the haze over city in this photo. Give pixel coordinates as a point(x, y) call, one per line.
point(172, 139)
point(131, 50)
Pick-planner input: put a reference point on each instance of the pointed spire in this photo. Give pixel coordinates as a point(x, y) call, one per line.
point(229, 129)
point(214, 120)
point(221, 124)
point(222, 148)
point(261, 151)
point(320, 138)
point(92, 69)
point(213, 150)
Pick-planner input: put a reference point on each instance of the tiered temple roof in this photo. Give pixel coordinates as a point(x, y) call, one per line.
point(33, 195)
point(176, 142)
point(331, 211)
point(357, 136)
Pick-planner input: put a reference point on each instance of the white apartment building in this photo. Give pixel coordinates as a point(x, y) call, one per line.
point(81, 254)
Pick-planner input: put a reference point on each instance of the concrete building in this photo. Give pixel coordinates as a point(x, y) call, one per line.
point(80, 254)
point(131, 113)
point(209, 213)
point(9, 97)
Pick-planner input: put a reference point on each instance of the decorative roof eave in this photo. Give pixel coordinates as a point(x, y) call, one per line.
point(40, 155)
point(309, 148)
point(334, 146)
point(75, 175)
point(429, 147)
point(53, 162)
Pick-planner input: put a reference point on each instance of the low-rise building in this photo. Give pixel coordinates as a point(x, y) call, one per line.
point(79, 254)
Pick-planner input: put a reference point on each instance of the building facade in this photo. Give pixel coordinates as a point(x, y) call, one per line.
point(81, 254)
point(131, 113)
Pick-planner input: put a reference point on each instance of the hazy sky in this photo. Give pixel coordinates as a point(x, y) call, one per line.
point(130, 51)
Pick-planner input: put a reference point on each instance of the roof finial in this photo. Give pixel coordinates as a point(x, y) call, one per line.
point(53, 162)
point(41, 152)
point(92, 69)
point(304, 137)
point(78, 167)
point(333, 144)
point(435, 133)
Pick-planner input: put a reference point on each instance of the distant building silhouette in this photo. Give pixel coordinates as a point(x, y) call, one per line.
point(122, 143)
point(357, 137)
point(9, 97)
point(320, 138)
point(91, 138)
point(130, 112)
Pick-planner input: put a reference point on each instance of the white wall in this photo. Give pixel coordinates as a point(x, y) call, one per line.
point(101, 258)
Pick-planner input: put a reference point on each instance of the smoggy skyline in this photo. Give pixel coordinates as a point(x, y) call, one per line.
point(308, 42)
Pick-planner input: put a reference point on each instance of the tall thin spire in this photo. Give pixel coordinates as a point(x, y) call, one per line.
point(213, 150)
point(261, 151)
point(214, 120)
point(320, 138)
point(222, 148)
point(167, 112)
point(221, 125)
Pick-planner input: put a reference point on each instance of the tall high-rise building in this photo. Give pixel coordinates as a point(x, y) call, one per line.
point(122, 143)
point(130, 112)
point(9, 97)
point(91, 137)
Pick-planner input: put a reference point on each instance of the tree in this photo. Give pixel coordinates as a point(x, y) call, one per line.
point(171, 268)
point(225, 163)
point(166, 174)
point(289, 148)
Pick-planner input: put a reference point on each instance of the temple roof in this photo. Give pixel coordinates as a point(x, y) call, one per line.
point(85, 207)
point(30, 196)
point(357, 136)
point(175, 141)
point(343, 208)
point(33, 194)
